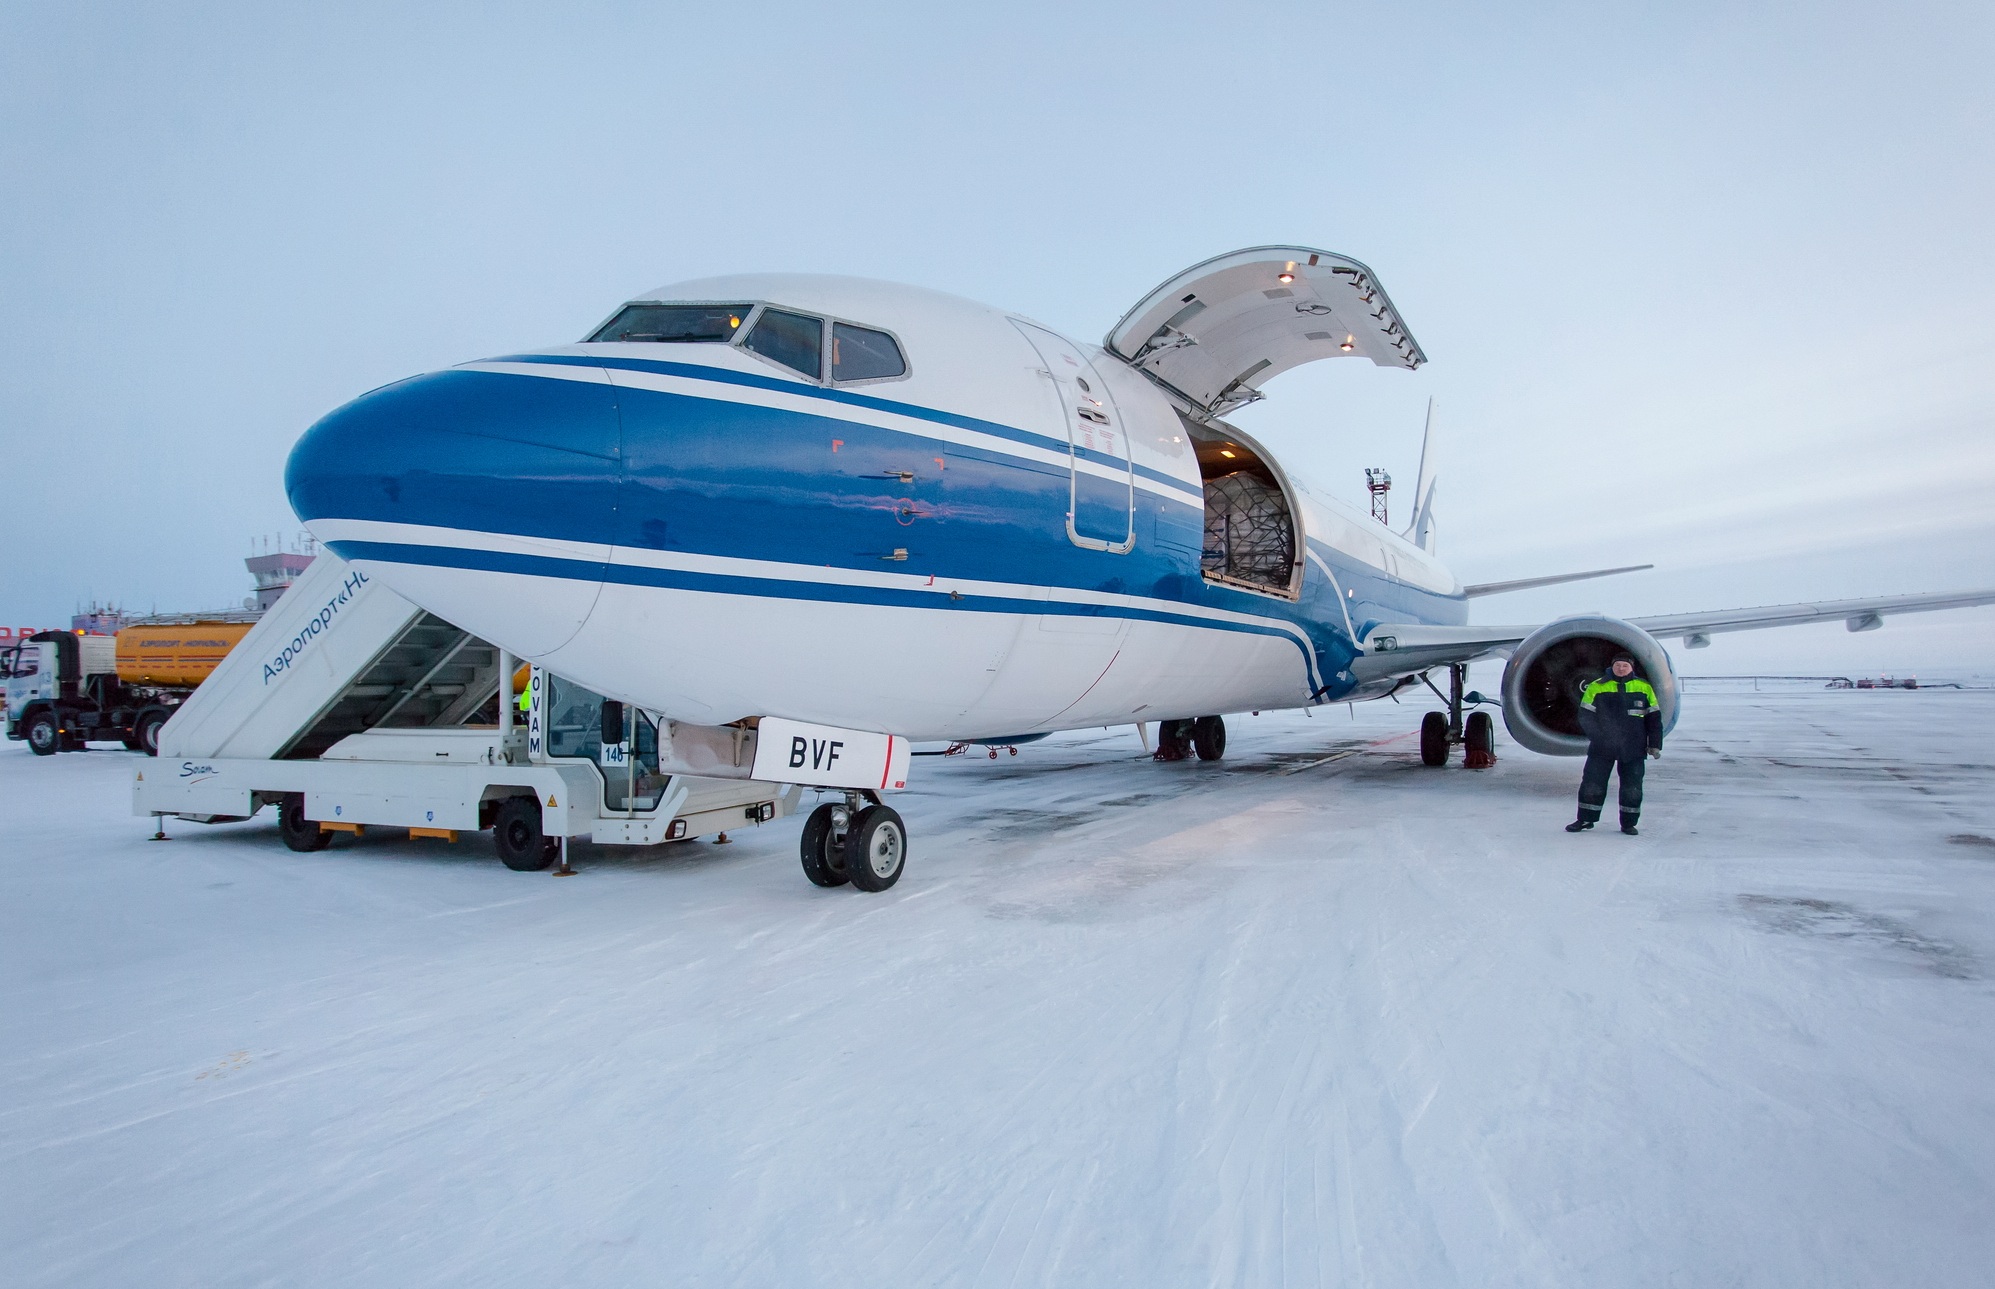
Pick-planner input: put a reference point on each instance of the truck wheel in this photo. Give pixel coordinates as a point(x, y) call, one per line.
point(145, 734)
point(1208, 735)
point(43, 734)
point(299, 833)
point(823, 850)
point(517, 836)
point(876, 848)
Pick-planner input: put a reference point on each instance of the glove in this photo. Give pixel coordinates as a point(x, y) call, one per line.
point(1655, 754)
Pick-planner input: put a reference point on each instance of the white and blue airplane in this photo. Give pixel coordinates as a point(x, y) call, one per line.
point(832, 516)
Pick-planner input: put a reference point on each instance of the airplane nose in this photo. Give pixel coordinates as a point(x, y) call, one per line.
point(504, 472)
point(466, 449)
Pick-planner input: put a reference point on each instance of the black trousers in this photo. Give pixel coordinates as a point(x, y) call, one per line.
point(1601, 762)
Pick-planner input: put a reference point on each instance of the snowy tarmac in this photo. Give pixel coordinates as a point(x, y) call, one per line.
point(1315, 1015)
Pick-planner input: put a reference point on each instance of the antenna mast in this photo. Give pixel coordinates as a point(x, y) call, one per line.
point(1378, 483)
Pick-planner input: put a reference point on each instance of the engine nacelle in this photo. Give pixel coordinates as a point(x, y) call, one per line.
point(1542, 682)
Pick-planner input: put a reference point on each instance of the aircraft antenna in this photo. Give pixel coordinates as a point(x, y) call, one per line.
point(1378, 483)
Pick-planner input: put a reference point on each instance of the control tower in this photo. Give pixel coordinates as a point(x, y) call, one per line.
point(275, 570)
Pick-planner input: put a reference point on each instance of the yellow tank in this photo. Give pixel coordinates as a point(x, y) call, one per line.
point(181, 655)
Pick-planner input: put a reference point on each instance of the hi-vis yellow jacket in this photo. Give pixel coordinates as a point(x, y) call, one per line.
point(1621, 716)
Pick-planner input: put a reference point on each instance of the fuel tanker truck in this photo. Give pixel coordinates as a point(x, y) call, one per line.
point(66, 689)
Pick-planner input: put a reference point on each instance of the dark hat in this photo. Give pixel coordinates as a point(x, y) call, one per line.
point(1623, 656)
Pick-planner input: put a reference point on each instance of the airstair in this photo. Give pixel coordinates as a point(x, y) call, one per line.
point(333, 651)
point(367, 711)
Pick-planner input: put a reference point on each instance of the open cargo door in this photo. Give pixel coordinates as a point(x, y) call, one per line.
point(1215, 333)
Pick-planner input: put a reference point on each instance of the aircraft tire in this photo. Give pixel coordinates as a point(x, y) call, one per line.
point(1479, 741)
point(44, 736)
point(823, 853)
point(1208, 735)
point(1174, 740)
point(875, 848)
point(299, 833)
point(516, 835)
point(1434, 739)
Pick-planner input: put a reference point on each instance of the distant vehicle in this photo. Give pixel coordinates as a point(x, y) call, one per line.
point(65, 689)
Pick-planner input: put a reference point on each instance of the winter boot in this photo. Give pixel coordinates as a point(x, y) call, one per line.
point(1628, 819)
point(1579, 825)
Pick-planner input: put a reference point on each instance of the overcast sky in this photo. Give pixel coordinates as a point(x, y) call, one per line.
point(1710, 286)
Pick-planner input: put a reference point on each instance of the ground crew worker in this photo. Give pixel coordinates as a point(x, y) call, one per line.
point(1623, 721)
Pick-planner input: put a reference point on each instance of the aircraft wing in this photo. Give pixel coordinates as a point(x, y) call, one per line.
point(1403, 648)
point(1860, 615)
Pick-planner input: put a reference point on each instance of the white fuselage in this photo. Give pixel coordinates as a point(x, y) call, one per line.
point(1006, 539)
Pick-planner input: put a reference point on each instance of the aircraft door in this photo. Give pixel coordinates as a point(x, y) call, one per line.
point(1102, 488)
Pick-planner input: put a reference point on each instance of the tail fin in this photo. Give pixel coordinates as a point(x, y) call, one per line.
point(1421, 531)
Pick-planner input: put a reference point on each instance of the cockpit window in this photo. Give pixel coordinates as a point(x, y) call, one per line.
point(675, 323)
point(792, 339)
point(858, 353)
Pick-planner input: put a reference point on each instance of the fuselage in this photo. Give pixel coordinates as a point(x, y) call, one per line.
point(1009, 536)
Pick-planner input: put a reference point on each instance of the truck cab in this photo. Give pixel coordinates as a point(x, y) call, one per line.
point(63, 691)
point(21, 670)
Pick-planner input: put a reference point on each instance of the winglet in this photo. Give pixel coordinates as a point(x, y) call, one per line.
point(1421, 531)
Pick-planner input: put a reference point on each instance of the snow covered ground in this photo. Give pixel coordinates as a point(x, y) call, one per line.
point(1314, 1015)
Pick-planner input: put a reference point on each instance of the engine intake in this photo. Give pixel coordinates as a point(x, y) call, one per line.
point(1542, 682)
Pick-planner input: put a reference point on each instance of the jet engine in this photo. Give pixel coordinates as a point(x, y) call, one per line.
point(1542, 682)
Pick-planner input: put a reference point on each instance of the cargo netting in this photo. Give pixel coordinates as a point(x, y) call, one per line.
point(1249, 536)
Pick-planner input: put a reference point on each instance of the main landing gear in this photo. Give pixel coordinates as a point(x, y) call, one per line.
point(958, 749)
point(857, 840)
point(1206, 736)
point(1440, 731)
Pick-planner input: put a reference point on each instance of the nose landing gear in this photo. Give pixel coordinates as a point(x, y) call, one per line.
point(858, 840)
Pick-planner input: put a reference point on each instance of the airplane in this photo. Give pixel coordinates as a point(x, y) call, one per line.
point(803, 521)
